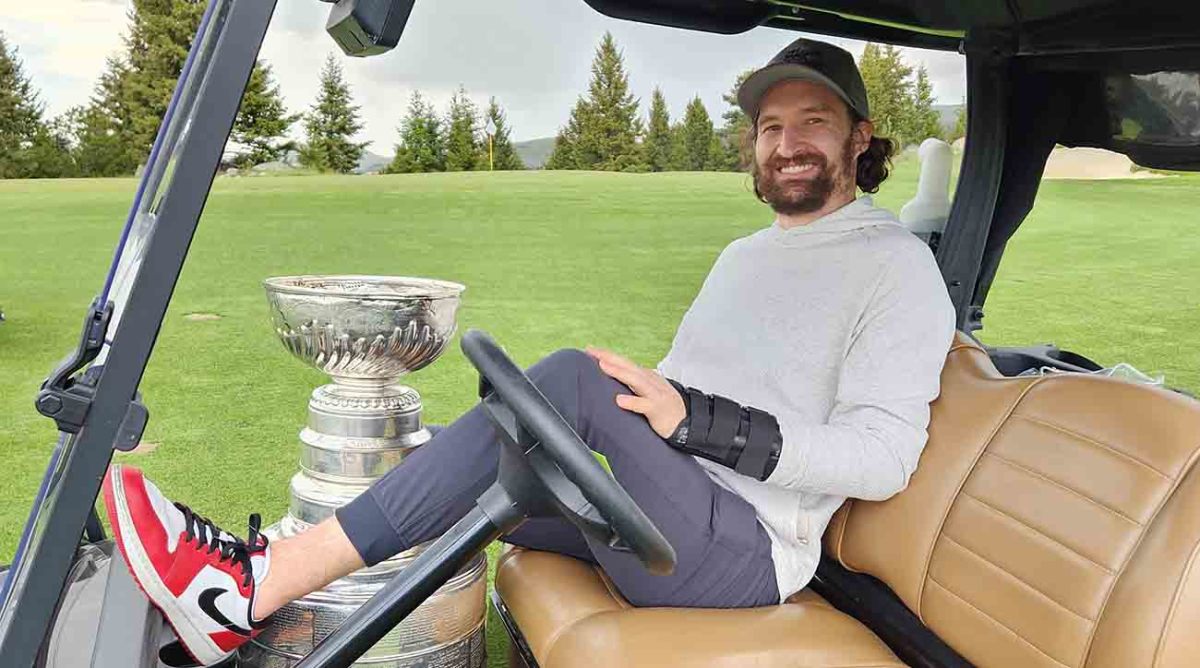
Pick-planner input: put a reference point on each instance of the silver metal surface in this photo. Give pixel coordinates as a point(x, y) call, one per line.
point(341, 459)
point(446, 630)
point(314, 500)
point(363, 327)
point(366, 332)
point(384, 412)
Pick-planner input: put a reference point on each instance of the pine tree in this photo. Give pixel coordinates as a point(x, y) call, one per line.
point(888, 91)
point(923, 120)
point(114, 133)
point(696, 137)
point(462, 143)
point(568, 147)
point(658, 137)
point(735, 125)
point(49, 153)
point(960, 123)
point(422, 147)
point(20, 115)
point(604, 127)
point(562, 156)
point(735, 120)
point(718, 159)
point(331, 123)
point(503, 154)
point(100, 129)
point(260, 130)
point(679, 156)
point(160, 34)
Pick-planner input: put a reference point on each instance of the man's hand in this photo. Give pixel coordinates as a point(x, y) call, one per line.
point(655, 397)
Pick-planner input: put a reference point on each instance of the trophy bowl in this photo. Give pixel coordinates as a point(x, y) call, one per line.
point(364, 327)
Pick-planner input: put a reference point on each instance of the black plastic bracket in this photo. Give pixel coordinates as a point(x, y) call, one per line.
point(63, 397)
point(133, 426)
point(67, 398)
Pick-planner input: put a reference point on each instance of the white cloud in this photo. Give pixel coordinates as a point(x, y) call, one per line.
point(64, 43)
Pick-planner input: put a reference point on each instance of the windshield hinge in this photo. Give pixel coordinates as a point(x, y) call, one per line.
point(67, 398)
point(63, 397)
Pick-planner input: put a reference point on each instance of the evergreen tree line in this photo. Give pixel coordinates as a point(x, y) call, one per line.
point(456, 142)
point(605, 130)
point(103, 137)
point(111, 135)
point(901, 98)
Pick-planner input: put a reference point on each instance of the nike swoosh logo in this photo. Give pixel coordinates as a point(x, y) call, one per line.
point(208, 603)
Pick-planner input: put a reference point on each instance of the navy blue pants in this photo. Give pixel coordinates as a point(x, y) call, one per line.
point(724, 555)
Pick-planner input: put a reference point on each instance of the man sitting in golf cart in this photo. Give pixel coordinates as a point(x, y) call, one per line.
point(800, 376)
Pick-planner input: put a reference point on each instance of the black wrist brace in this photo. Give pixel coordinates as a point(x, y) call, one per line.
point(742, 438)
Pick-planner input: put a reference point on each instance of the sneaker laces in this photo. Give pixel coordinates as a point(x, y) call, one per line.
point(233, 549)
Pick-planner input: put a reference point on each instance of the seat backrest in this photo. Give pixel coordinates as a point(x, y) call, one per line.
point(1053, 521)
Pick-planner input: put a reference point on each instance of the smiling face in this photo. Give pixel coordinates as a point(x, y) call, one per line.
point(806, 149)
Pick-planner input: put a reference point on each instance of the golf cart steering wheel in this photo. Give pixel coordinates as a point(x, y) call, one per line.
point(562, 466)
point(545, 470)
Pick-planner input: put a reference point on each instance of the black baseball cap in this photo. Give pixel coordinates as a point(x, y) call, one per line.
point(809, 60)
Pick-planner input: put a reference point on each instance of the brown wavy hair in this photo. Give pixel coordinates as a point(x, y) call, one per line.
point(874, 164)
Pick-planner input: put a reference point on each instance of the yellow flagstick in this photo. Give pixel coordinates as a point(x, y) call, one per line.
point(490, 129)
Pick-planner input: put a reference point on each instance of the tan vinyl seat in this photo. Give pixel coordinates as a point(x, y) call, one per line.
point(1053, 522)
point(572, 617)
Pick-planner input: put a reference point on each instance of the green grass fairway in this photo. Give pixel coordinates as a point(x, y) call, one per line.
point(1106, 268)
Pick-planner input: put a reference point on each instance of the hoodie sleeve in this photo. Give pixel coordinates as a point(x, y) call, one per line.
point(872, 440)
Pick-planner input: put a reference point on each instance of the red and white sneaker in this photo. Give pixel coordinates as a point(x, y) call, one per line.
point(202, 578)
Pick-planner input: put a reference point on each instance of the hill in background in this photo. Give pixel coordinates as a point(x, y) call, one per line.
point(947, 116)
point(372, 162)
point(534, 152)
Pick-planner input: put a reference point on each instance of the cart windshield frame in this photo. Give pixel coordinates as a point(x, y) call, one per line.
point(146, 265)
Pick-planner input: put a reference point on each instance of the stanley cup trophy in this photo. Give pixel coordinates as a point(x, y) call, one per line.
point(366, 332)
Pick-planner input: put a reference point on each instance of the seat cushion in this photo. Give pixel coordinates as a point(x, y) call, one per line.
point(572, 616)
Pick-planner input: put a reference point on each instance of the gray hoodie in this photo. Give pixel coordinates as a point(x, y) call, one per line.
point(838, 328)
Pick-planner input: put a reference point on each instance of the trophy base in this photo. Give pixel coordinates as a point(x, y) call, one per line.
point(469, 652)
point(447, 630)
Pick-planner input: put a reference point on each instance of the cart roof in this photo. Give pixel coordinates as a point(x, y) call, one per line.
point(1041, 26)
point(1131, 72)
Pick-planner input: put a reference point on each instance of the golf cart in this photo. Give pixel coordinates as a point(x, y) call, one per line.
point(1053, 519)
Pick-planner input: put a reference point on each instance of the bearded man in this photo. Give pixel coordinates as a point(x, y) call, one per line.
point(800, 376)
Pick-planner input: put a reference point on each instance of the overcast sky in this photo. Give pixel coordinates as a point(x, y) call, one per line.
point(532, 55)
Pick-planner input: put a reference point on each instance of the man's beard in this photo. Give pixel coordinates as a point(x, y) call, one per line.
point(810, 195)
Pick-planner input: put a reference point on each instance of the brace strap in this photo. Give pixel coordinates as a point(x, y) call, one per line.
point(742, 438)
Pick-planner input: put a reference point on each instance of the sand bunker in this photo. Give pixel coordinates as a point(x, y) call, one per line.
point(1091, 163)
point(143, 448)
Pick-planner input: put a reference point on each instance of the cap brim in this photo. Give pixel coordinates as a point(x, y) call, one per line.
point(756, 85)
